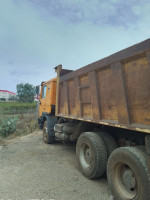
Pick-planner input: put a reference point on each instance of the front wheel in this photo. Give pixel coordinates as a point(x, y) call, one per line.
point(128, 175)
point(47, 138)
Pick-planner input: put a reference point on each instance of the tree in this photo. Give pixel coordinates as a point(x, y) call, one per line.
point(25, 92)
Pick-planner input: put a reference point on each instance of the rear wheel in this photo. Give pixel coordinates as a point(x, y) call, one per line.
point(91, 155)
point(109, 141)
point(128, 175)
point(47, 138)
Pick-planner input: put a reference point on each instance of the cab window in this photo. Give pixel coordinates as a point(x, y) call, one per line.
point(44, 91)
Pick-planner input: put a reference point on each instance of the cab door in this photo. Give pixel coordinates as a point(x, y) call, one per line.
point(43, 99)
point(48, 98)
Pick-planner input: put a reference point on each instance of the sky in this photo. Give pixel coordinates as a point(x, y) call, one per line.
point(37, 35)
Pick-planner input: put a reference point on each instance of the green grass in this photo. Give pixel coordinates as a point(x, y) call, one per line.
point(16, 107)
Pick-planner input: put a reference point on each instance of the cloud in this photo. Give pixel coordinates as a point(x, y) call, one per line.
point(36, 35)
point(112, 12)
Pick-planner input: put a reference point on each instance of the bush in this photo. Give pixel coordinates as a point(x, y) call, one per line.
point(2, 99)
point(8, 126)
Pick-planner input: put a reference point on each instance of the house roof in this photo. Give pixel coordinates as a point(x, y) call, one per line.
point(7, 91)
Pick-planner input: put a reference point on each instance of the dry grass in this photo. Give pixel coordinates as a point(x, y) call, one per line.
point(26, 114)
point(27, 123)
point(2, 142)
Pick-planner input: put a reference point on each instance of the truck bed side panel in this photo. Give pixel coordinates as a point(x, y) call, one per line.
point(114, 91)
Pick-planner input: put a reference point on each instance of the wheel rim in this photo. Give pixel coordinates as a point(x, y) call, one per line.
point(125, 181)
point(45, 133)
point(85, 155)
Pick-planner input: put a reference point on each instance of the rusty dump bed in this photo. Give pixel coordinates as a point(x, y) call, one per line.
point(114, 91)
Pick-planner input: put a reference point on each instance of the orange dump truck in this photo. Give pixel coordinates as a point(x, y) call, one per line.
point(105, 108)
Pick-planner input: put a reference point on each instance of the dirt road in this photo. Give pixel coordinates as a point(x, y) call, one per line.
point(33, 170)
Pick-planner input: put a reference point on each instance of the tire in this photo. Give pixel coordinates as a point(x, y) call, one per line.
point(109, 141)
point(91, 155)
point(127, 174)
point(47, 138)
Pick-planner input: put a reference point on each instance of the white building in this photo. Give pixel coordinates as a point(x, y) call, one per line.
point(5, 94)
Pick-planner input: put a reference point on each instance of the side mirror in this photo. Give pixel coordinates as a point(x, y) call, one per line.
point(37, 90)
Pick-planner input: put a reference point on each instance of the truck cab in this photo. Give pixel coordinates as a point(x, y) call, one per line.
point(47, 100)
point(48, 97)
point(47, 106)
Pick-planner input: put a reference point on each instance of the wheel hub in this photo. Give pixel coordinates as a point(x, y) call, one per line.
point(45, 133)
point(45, 130)
point(88, 155)
point(85, 155)
point(128, 179)
point(125, 181)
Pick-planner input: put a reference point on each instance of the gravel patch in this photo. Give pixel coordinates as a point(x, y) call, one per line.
point(33, 170)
